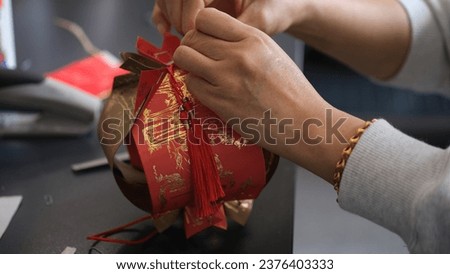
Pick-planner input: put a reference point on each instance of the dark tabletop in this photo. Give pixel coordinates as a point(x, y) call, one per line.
point(60, 208)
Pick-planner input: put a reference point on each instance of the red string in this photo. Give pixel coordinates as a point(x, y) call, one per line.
point(103, 236)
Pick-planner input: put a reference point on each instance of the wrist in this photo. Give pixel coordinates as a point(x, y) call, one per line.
point(332, 151)
point(345, 155)
point(302, 14)
point(335, 133)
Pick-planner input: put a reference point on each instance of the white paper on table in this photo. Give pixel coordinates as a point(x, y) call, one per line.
point(8, 207)
point(7, 45)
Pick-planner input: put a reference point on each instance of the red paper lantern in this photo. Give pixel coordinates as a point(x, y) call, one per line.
point(184, 159)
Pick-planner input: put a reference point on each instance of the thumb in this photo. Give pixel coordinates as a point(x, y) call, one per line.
point(190, 10)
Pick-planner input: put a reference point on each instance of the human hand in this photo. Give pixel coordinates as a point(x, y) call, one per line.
point(244, 76)
point(180, 14)
point(240, 72)
point(270, 16)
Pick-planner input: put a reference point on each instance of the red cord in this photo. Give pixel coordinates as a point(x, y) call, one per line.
point(103, 236)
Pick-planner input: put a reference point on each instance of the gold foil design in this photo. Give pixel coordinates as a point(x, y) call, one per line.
point(164, 127)
point(160, 129)
point(194, 221)
point(166, 89)
point(176, 152)
point(173, 182)
point(226, 138)
point(169, 184)
point(225, 175)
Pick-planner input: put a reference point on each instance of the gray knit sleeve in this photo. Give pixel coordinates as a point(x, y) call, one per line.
point(402, 184)
point(427, 67)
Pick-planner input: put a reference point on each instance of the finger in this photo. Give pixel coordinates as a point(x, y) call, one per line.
point(190, 10)
point(200, 89)
point(161, 4)
point(160, 20)
point(221, 25)
point(230, 7)
point(240, 6)
point(194, 62)
point(173, 12)
point(205, 44)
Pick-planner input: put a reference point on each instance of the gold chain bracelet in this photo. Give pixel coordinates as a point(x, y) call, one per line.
point(340, 165)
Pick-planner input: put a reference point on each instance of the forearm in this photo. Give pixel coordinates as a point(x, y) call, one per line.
point(325, 132)
point(370, 36)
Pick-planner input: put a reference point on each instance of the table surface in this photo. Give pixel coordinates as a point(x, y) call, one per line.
point(60, 208)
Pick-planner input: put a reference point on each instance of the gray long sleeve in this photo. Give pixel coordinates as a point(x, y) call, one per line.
point(402, 184)
point(392, 179)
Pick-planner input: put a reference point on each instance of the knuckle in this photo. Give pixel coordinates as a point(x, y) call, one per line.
point(244, 61)
point(257, 37)
point(247, 54)
point(188, 38)
point(201, 14)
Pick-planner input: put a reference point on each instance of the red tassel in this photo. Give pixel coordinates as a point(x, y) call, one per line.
point(204, 175)
point(205, 178)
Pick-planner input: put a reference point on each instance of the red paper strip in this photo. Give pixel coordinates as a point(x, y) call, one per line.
point(93, 75)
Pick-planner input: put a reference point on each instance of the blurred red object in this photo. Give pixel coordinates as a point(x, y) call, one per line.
point(93, 75)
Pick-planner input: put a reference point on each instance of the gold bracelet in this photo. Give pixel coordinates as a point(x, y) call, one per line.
point(340, 165)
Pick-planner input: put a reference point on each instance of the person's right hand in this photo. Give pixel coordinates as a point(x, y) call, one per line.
point(270, 16)
point(242, 75)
